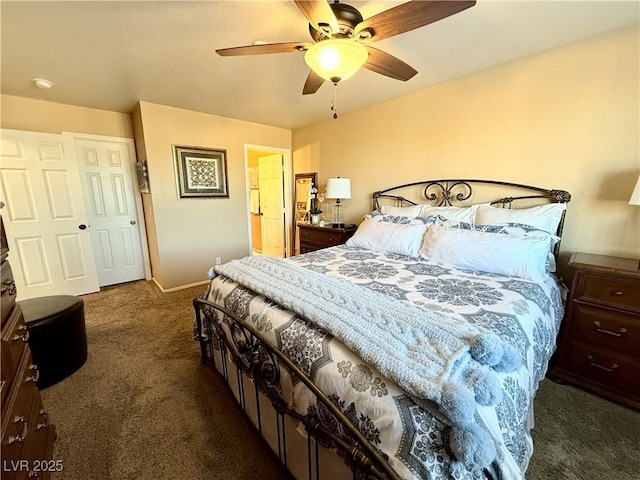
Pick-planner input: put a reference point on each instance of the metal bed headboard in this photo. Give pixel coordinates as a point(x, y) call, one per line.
point(455, 192)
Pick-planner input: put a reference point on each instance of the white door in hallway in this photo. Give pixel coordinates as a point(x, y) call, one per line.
point(106, 172)
point(45, 218)
point(270, 179)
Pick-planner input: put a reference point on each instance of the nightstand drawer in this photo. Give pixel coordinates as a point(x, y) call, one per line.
point(328, 238)
point(606, 328)
point(615, 292)
point(315, 237)
point(606, 368)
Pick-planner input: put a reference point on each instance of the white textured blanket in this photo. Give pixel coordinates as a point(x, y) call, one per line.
point(432, 356)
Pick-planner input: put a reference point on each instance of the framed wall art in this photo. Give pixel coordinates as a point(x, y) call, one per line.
point(201, 172)
point(143, 176)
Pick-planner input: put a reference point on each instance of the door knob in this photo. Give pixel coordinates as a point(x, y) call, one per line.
point(132, 222)
point(82, 226)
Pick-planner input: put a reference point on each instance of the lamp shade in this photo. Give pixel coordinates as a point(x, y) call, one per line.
point(336, 59)
point(338, 188)
point(635, 196)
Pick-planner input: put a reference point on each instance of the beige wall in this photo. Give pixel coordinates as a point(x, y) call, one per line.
point(192, 232)
point(306, 159)
point(18, 113)
point(567, 119)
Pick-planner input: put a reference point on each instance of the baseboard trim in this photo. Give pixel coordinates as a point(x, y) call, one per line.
point(181, 287)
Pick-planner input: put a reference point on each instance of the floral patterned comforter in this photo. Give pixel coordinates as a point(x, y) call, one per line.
point(525, 314)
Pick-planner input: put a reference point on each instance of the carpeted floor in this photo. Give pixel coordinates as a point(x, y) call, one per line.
point(143, 407)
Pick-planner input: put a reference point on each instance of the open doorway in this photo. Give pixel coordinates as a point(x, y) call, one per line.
point(268, 185)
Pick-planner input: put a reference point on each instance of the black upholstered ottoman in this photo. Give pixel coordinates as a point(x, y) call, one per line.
point(57, 336)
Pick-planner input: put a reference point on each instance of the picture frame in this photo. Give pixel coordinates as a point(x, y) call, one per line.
point(143, 176)
point(201, 172)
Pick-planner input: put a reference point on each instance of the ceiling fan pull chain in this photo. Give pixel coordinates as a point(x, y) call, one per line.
point(334, 107)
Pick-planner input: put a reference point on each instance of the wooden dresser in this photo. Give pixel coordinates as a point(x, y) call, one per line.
point(599, 343)
point(315, 237)
point(27, 435)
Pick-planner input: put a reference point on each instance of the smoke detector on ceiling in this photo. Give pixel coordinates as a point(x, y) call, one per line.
point(42, 83)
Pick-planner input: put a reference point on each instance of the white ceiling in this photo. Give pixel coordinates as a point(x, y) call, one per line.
point(109, 55)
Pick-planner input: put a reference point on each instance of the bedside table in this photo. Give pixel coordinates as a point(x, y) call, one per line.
point(599, 342)
point(315, 237)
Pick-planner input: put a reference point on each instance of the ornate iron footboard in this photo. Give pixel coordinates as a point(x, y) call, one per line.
point(254, 357)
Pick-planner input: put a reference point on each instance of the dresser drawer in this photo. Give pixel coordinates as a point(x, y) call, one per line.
point(611, 291)
point(39, 442)
point(607, 328)
point(14, 340)
point(306, 248)
point(18, 419)
point(606, 368)
point(28, 435)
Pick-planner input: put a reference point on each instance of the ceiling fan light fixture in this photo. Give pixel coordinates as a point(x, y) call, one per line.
point(336, 59)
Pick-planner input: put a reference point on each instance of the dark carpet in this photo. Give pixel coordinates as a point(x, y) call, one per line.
point(143, 407)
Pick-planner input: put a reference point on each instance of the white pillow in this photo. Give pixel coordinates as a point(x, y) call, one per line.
point(506, 229)
point(510, 255)
point(460, 214)
point(388, 237)
point(544, 217)
point(412, 211)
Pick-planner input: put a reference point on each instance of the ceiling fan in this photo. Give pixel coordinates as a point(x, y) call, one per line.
point(342, 38)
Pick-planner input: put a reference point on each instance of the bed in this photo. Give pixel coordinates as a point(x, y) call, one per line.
point(413, 351)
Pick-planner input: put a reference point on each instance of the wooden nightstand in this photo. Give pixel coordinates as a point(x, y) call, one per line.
point(599, 343)
point(315, 237)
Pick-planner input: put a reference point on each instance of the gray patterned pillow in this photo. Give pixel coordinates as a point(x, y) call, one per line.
point(377, 216)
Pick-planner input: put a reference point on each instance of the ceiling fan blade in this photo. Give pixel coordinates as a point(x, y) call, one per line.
point(320, 15)
point(312, 83)
point(386, 64)
point(265, 48)
point(408, 16)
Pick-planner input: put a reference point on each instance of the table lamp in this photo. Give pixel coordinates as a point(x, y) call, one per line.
point(338, 188)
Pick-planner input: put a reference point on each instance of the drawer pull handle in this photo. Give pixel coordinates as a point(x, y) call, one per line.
point(35, 377)
point(619, 333)
point(23, 434)
point(611, 368)
point(24, 337)
point(8, 286)
point(617, 293)
point(45, 417)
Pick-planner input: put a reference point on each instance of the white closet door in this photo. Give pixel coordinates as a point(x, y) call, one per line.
point(107, 180)
point(45, 218)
